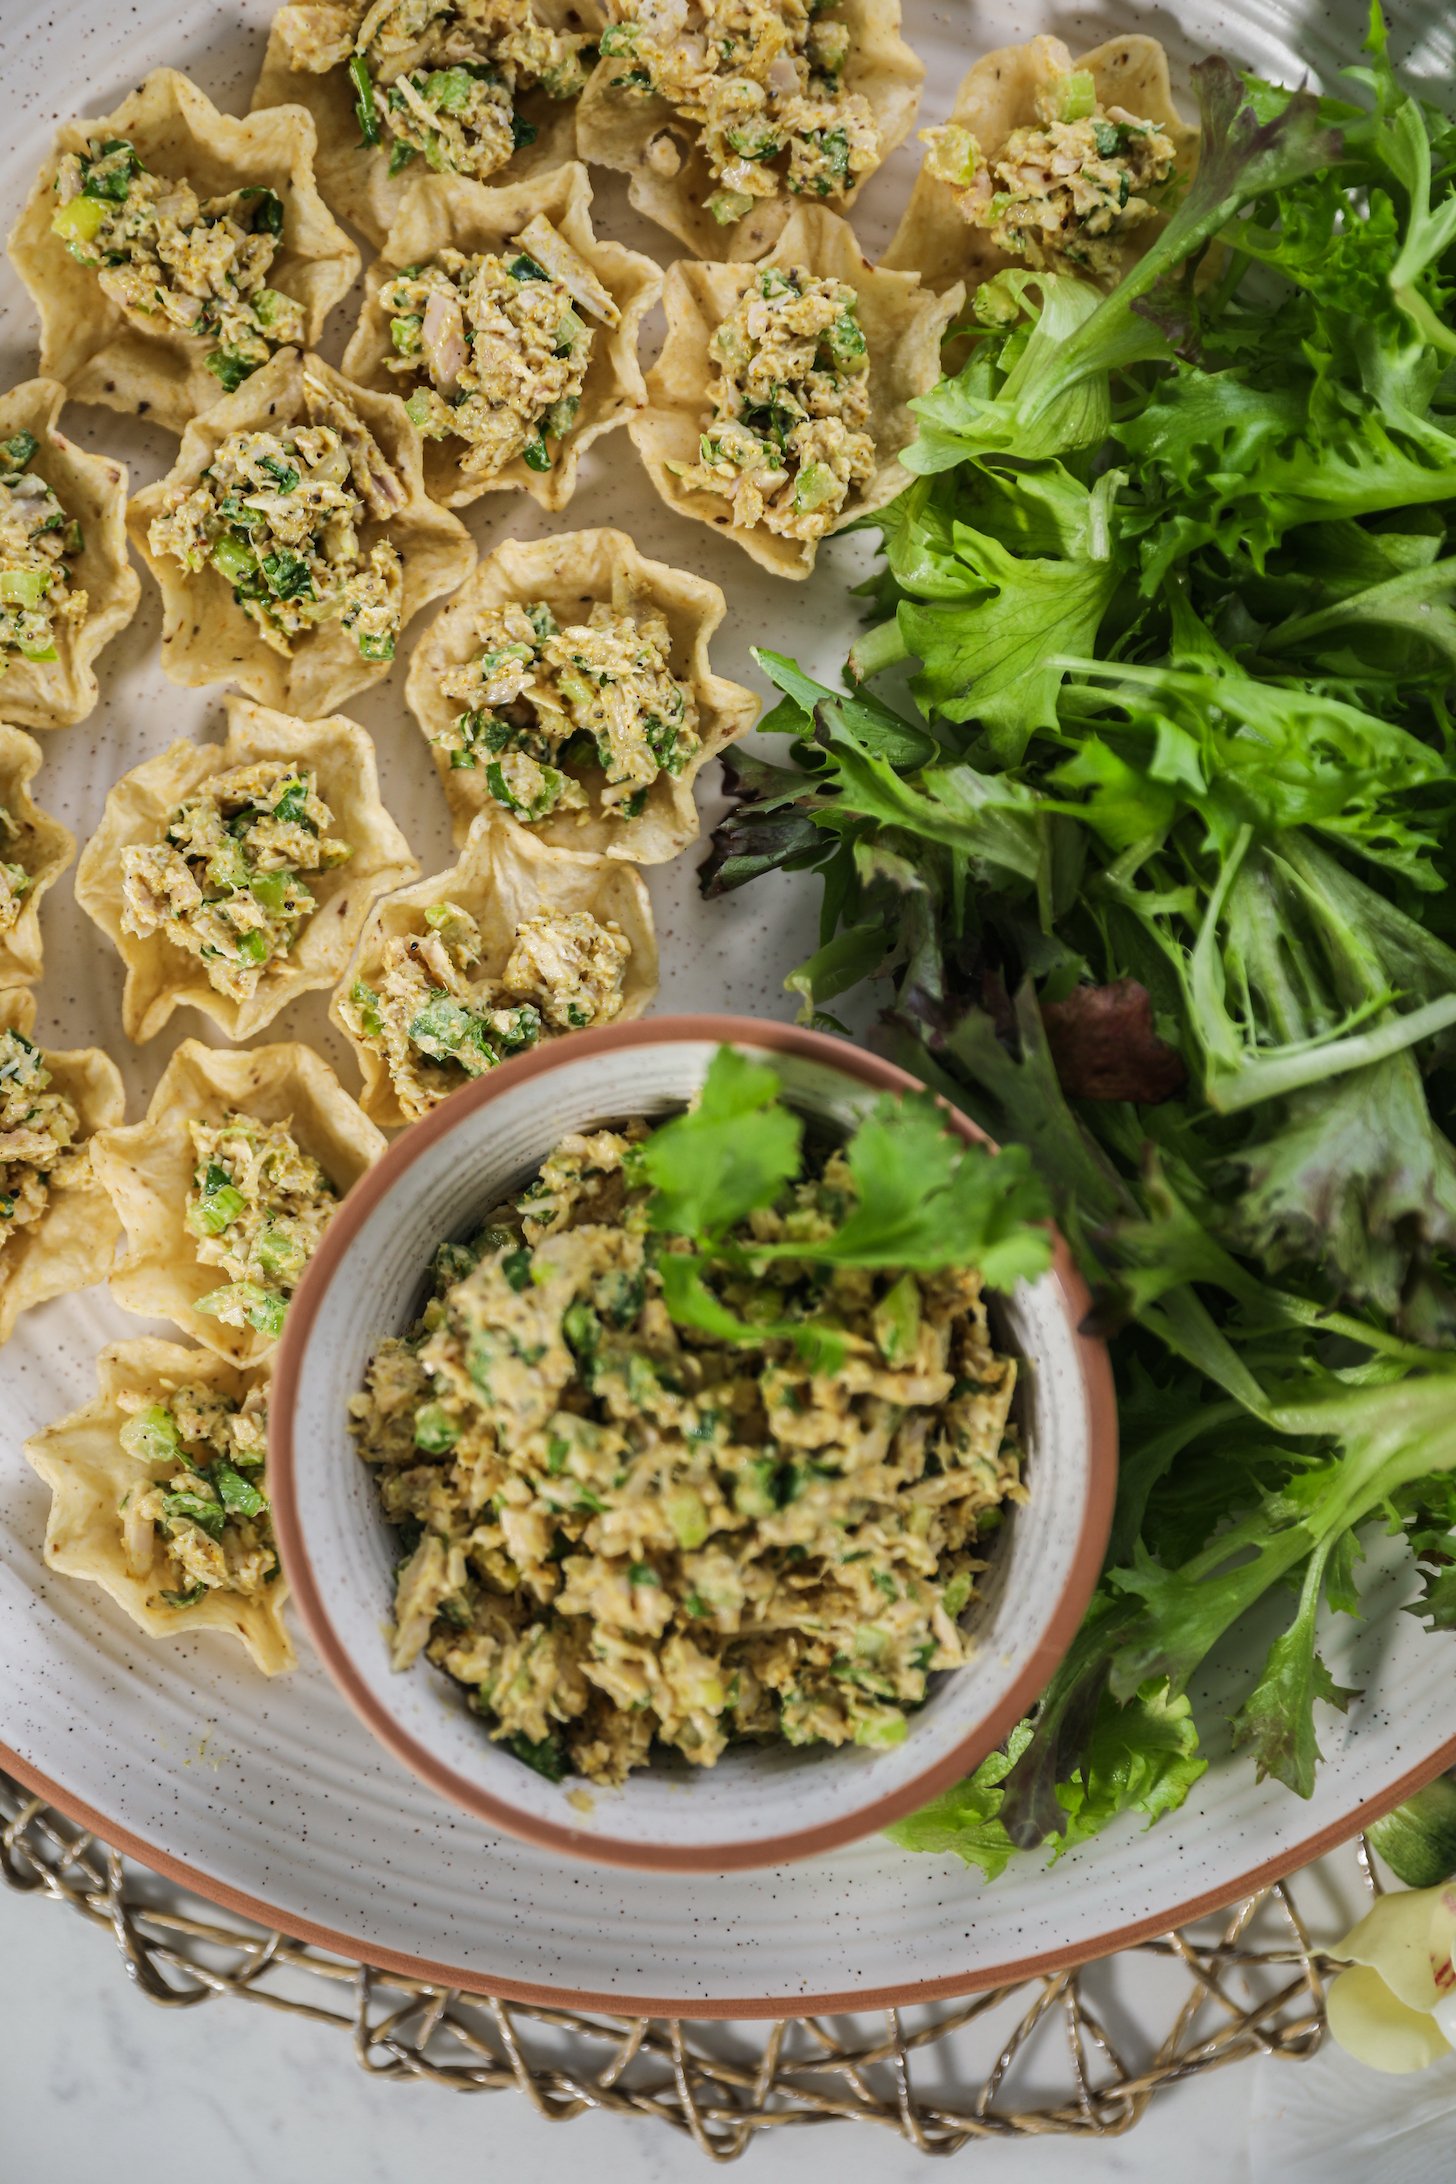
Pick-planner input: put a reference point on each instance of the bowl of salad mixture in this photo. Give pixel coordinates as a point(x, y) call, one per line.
point(685, 1452)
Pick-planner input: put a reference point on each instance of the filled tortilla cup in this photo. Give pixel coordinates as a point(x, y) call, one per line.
point(38, 844)
point(998, 96)
point(354, 176)
point(74, 1241)
point(92, 491)
point(103, 353)
point(148, 1169)
point(669, 176)
point(571, 574)
point(503, 877)
point(903, 325)
point(446, 211)
point(91, 1477)
point(162, 975)
point(206, 636)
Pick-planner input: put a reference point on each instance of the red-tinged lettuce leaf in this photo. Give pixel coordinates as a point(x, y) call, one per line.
point(1104, 1045)
point(1277, 1719)
point(1354, 1179)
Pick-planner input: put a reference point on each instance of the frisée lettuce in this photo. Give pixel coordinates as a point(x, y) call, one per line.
point(1160, 880)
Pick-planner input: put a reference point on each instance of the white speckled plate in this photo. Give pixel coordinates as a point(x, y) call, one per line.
point(272, 1796)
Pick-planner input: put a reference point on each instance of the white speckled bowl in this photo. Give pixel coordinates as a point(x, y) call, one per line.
point(759, 1805)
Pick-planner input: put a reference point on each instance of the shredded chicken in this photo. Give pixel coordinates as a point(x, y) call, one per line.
point(278, 514)
point(257, 1208)
point(202, 1524)
point(168, 257)
point(554, 713)
point(15, 882)
point(497, 347)
point(762, 82)
point(39, 1134)
point(440, 80)
point(37, 542)
point(225, 883)
point(1064, 194)
point(620, 1533)
point(435, 1025)
point(787, 439)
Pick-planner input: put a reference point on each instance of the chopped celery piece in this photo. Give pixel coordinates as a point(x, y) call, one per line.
point(365, 1002)
point(281, 1254)
point(232, 559)
point(210, 1216)
point(1076, 96)
point(271, 889)
point(435, 1430)
point(78, 222)
point(815, 485)
point(448, 88)
point(879, 1730)
point(151, 1435)
point(726, 206)
point(23, 587)
point(261, 1308)
point(687, 1517)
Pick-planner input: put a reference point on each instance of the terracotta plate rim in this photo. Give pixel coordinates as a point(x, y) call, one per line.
point(844, 2002)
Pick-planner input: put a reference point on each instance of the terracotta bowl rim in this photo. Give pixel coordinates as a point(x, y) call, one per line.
point(980, 1738)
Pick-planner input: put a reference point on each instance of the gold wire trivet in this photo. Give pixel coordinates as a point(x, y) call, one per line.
point(1022, 2061)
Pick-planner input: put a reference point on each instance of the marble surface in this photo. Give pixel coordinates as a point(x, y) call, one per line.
point(87, 2064)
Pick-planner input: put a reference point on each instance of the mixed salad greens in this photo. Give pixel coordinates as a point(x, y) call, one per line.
point(1159, 878)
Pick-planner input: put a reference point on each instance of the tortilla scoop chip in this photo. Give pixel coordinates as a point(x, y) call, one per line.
point(148, 1170)
point(74, 1242)
point(904, 325)
point(89, 341)
point(999, 95)
point(503, 877)
point(620, 129)
point(91, 488)
point(206, 637)
point(355, 177)
point(441, 211)
point(88, 1472)
point(571, 572)
point(40, 845)
point(160, 975)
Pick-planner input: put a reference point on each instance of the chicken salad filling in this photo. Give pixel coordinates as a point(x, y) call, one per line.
point(280, 516)
point(498, 345)
point(1064, 193)
point(227, 881)
point(38, 541)
point(171, 259)
point(202, 1524)
point(15, 881)
point(40, 1137)
point(625, 1527)
point(561, 718)
point(257, 1208)
point(762, 81)
point(435, 1021)
point(440, 82)
point(788, 438)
